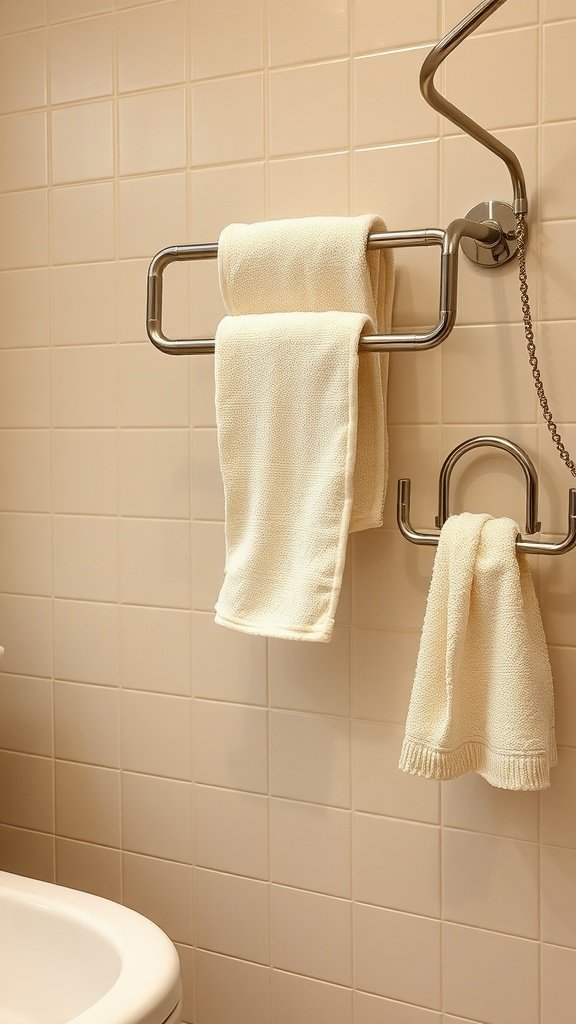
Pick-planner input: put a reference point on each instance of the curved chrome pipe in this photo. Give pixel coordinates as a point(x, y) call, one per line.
point(429, 68)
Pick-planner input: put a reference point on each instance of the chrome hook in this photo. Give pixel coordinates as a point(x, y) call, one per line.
point(532, 525)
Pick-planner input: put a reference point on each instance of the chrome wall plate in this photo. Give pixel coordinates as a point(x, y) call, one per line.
point(498, 214)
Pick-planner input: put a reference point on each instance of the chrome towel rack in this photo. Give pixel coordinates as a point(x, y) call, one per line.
point(487, 233)
point(532, 524)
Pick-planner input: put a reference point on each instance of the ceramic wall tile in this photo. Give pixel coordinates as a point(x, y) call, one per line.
point(217, 813)
point(154, 562)
point(163, 196)
point(23, 75)
point(326, 31)
point(25, 554)
point(321, 774)
point(231, 746)
point(470, 803)
point(86, 724)
point(523, 14)
point(321, 861)
point(139, 152)
point(381, 938)
point(86, 642)
point(308, 1001)
point(68, 10)
point(227, 665)
point(380, 75)
point(390, 26)
point(26, 715)
point(25, 237)
point(311, 934)
point(411, 853)
point(311, 677)
point(558, 144)
point(85, 471)
point(383, 666)
point(16, 17)
point(558, 100)
point(79, 316)
point(88, 803)
point(27, 853)
point(226, 39)
point(488, 976)
point(503, 872)
point(154, 471)
point(557, 984)
point(91, 868)
point(82, 223)
point(27, 796)
point(309, 186)
point(23, 141)
point(25, 298)
point(232, 915)
point(156, 734)
point(157, 817)
point(25, 470)
point(23, 616)
point(82, 142)
point(558, 9)
point(162, 892)
point(309, 109)
point(151, 44)
point(377, 784)
point(491, 106)
point(371, 1009)
point(227, 120)
point(81, 59)
point(221, 196)
point(558, 896)
point(231, 990)
point(29, 370)
point(85, 557)
point(154, 649)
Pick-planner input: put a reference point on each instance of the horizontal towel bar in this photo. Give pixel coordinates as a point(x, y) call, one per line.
point(488, 235)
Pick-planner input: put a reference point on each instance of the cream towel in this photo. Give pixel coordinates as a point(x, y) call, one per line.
point(482, 699)
point(301, 426)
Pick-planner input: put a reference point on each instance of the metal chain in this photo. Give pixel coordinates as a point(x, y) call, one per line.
point(530, 344)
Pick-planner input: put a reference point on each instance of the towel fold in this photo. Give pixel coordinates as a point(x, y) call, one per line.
point(482, 699)
point(300, 417)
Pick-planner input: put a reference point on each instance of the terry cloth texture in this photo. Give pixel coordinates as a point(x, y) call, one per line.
point(482, 699)
point(300, 416)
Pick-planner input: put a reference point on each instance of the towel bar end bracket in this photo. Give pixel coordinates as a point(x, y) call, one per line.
point(493, 213)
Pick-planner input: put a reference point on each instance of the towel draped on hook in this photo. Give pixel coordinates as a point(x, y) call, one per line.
point(482, 699)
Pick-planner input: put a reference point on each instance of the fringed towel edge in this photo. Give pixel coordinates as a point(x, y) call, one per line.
point(507, 771)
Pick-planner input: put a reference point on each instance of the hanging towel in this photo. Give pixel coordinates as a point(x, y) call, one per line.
point(300, 416)
point(482, 699)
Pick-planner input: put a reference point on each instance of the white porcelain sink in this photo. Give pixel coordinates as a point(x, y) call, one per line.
point(66, 956)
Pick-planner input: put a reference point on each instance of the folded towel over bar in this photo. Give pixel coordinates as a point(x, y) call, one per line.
point(301, 422)
point(482, 699)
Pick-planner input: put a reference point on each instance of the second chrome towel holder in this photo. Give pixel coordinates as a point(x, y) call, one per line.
point(488, 233)
point(532, 524)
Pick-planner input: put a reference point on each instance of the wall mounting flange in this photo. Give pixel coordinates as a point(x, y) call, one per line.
point(496, 214)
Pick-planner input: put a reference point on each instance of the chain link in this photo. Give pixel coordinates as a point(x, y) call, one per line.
point(530, 345)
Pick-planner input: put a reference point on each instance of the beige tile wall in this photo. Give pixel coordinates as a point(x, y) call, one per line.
point(244, 794)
